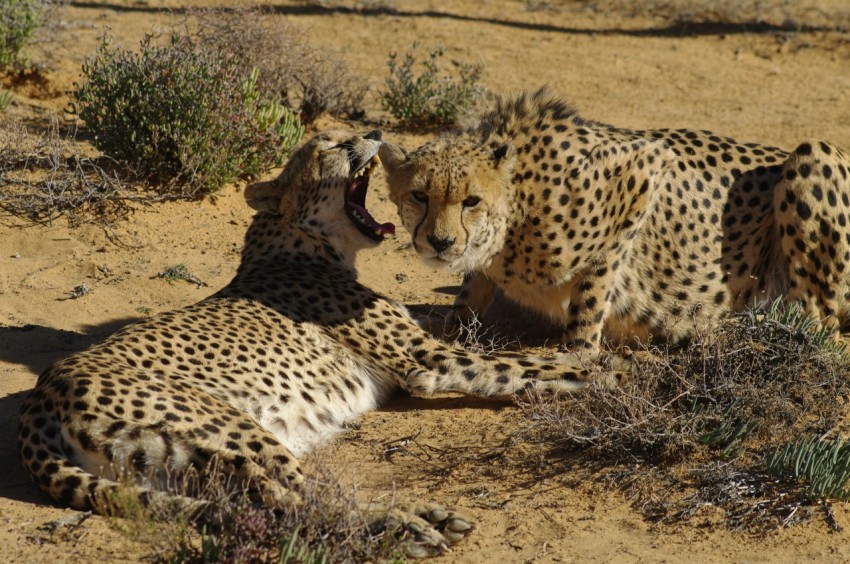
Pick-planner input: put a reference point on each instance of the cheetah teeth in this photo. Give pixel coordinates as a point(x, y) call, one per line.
point(367, 168)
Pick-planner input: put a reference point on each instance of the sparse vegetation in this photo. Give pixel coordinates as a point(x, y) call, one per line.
point(79, 291)
point(434, 96)
point(45, 177)
point(19, 21)
point(313, 80)
point(328, 526)
point(728, 427)
point(187, 118)
point(180, 272)
point(718, 414)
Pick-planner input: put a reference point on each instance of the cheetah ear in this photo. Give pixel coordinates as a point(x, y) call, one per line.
point(504, 155)
point(392, 157)
point(395, 161)
point(264, 196)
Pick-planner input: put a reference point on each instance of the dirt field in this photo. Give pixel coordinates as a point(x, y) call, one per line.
point(769, 83)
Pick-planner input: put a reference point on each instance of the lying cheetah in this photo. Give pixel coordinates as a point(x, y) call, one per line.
point(266, 368)
point(625, 234)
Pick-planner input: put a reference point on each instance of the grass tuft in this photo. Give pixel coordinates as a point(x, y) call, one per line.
point(327, 526)
point(824, 466)
point(6, 99)
point(705, 419)
point(180, 272)
point(434, 96)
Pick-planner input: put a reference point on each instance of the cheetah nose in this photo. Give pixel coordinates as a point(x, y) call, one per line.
point(440, 244)
point(374, 135)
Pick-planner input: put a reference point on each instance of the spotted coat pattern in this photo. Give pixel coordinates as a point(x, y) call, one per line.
point(625, 234)
point(261, 371)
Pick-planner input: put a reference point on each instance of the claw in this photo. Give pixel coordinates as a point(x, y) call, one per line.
point(458, 525)
point(437, 515)
point(453, 537)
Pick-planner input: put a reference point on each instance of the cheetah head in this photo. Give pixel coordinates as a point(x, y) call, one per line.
point(453, 196)
point(323, 188)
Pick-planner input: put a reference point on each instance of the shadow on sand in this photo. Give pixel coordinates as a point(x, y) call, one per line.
point(676, 29)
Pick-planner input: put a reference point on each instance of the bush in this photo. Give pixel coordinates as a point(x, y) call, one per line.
point(722, 417)
point(182, 115)
point(312, 80)
point(432, 97)
point(19, 20)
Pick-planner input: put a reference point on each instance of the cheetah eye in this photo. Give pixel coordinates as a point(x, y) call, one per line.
point(471, 201)
point(420, 196)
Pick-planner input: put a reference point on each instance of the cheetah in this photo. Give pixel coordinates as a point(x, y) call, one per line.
point(625, 235)
point(266, 368)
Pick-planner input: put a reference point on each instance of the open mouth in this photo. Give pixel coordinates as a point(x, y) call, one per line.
point(355, 203)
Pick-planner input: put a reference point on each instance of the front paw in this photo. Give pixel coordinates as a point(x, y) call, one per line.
point(426, 529)
point(421, 382)
point(572, 377)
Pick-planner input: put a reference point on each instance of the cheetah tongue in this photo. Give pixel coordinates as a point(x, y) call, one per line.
point(355, 208)
point(363, 217)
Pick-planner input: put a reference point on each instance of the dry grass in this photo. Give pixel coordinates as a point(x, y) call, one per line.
point(45, 176)
point(702, 421)
point(313, 80)
point(328, 526)
point(707, 435)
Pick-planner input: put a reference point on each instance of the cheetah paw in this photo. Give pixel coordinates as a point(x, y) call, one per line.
point(420, 382)
point(427, 529)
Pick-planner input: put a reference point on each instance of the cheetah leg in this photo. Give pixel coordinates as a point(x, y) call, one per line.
point(442, 368)
point(474, 299)
point(587, 309)
point(585, 314)
point(54, 463)
point(812, 208)
point(428, 529)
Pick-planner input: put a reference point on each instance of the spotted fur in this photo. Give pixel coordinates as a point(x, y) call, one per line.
point(263, 370)
point(624, 234)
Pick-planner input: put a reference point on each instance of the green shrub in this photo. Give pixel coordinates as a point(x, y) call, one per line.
point(19, 20)
point(186, 117)
point(432, 97)
point(5, 99)
point(824, 466)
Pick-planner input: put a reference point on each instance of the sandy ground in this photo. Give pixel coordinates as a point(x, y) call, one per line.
point(775, 88)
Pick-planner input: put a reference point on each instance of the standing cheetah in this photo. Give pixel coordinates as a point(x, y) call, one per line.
point(266, 368)
point(625, 234)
